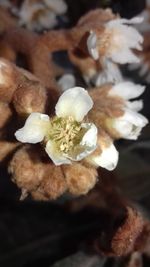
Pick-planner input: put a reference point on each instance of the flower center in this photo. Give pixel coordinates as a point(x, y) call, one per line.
point(65, 132)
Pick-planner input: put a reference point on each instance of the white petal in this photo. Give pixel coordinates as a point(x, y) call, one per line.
point(135, 105)
point(74, 102)
point(124, 38)
point(108, 159)
point(92, 45)
point(58, 6)
point(66, 81)
point(130, 124)
point(90, 137)
point(34, 129)
point(54, 155)
point(127, 90)
point(87, 145)
point(123, 127)
point(111, 74)
point(135, 118)
point(124, 56)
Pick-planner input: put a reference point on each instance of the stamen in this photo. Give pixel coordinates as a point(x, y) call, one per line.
point(65, 132)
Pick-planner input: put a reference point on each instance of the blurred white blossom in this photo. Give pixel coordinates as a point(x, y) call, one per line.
point(40, 15)
point(117, 41)
point(130, 124)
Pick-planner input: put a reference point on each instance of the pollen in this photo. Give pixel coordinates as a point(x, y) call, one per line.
point(66, 133)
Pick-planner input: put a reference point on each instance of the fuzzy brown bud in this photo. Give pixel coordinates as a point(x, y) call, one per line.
point(29, 97)
point(80, 179)
point(35, 174)
point(26, 168)
point(53, 184)
point(8, 80)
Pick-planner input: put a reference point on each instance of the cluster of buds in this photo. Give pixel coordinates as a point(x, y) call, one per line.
point(60, 140)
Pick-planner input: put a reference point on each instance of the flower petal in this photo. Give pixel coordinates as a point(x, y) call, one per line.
point(108, 159)
point(54, 155)
point(87, 145)
point(135, 105)
point(130, 124)
point(74, 102)
point(92, 45)
point(135, 118)
point(66, 81)
point(127, 90)
point(123, 38)
point(124, 56)
point(34, 129)
point(90, 137)
point(110, 74)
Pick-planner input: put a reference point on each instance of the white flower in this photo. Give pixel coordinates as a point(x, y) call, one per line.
point(131, 123)
point(117, 41)
point(65, 136)
point(36, 16)
point(66, 81)
point(108, 159)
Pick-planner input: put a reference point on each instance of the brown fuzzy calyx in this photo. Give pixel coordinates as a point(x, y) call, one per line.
point(34, 173)
point(26, 168)
point(80, 179)
point(52, 185)
point(29, 97)
point(9, 80)
point(86, 65)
